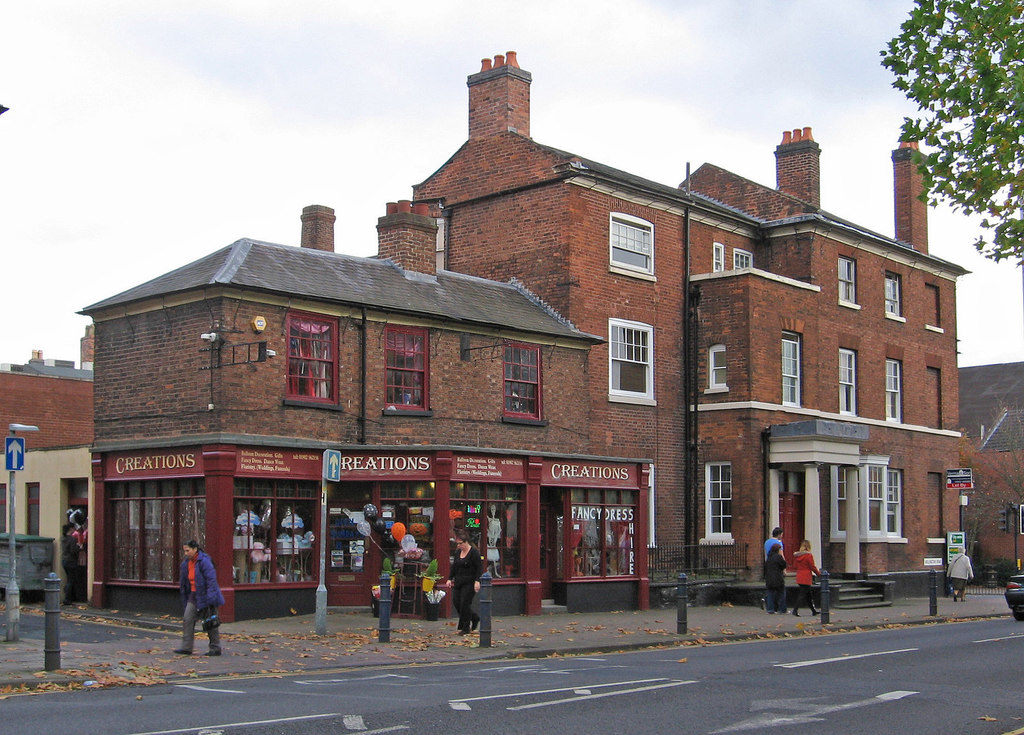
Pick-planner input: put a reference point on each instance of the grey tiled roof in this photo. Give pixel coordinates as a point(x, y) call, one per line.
point(345, 279)
point(986, 392)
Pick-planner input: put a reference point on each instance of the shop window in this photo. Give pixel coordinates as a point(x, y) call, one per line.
point(522, 381)
point(150, 522)
point(601, 532)
point(312, 355)
point(274, 531)
point(405, 356)
point(490, 515)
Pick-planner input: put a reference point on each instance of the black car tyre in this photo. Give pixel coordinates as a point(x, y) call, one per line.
point(1018, 615)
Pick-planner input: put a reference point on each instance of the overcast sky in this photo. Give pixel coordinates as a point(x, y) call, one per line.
point(142, 136)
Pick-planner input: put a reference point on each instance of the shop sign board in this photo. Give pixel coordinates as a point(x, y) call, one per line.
point(575, 473)
point(486, 468)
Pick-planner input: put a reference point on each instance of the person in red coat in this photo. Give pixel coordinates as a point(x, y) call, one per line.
point(803, 562)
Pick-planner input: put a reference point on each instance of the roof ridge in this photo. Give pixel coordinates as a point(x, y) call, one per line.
point(238, 252)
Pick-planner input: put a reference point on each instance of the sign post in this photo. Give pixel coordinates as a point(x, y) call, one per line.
point(331, 473)
point(14, 458)
point(960, 478)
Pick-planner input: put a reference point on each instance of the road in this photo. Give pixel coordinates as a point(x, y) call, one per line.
point(951, 678)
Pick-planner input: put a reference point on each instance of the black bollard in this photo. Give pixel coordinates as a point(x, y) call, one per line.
point(682, 599)
point(486, 591)
point(51, 608)
point(826, 597)
point(384, 619)
point(933, 586)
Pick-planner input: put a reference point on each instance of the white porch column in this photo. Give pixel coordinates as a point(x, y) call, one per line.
point(812, 511)
point(853, 495)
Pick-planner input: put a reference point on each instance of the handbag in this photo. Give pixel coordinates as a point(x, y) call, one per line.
point(209, 618)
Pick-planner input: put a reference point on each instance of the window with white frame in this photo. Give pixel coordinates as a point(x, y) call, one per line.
point(885, 491)
point(630, 348)
point(790, 369)
point(716, 368)
point(847, 382)
point(893, 390)
point(632, 243)
point(839, 509)
point(718, 257)
point(742, 259)
point(847, 280)
point(718, 499)
point(893, 295)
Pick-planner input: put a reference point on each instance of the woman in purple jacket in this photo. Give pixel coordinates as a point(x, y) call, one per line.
point(200, 596)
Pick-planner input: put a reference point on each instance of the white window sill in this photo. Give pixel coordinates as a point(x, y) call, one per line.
point(623, 271)
point(937, 330)
point(716, 389)
point(849, 305)
point(718, 539)
point(847, 413)
point(895, 318)
point(636, 400)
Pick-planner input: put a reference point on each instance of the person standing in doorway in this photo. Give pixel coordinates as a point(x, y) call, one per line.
point(200, 596)
point(960, 572)
point(464, 581)
point(775, 580)
point(775, 538)
point(803, 560)
point(69, 560)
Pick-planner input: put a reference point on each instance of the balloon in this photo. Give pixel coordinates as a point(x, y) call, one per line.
point(370, 511)
point(387, 541)
point(398, 530)
point(379, 525)
point(408, 542)
point(364, 528)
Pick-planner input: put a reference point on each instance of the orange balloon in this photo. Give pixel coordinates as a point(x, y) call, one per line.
point(398, 530)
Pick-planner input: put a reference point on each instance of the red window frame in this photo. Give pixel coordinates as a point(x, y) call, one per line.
point(312, 358)
point(406, 368)
point(522, 381)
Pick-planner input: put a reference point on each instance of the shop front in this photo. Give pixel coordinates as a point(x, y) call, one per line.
point(563, 528)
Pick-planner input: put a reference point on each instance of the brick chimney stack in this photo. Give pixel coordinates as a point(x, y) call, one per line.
point(318, 228)
point(908, 185)
point(797, 166)
point(407, 235)
point(87, 347)
point(499, 98)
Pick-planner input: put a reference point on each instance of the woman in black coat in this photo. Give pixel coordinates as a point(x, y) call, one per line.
point(464, 581)
point(775, 580)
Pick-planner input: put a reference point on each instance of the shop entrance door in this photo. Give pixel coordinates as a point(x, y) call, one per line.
point(352, 565)
point(550, 543)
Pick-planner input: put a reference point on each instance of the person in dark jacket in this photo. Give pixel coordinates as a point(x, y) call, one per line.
point(775, 580)
point(464, 581)
point(69, 549)
point(200, 596)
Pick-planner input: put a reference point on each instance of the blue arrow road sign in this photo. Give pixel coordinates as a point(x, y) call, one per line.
point(14, 452)
point(332, 465)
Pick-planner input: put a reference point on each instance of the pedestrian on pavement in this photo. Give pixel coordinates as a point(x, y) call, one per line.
point(960, 571)
point(200, 596)
point(775, 580)
point(69, 560)
point(803, 561)
point(82, 570)
point(775, 538)
point(464, 581)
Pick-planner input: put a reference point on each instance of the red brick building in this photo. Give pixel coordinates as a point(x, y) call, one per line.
point(446, 401)
point(820, 357)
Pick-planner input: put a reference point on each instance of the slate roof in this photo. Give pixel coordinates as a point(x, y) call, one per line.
point(987, 392)
point(345, 279)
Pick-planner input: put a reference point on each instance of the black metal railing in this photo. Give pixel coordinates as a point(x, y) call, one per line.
point(666, 561)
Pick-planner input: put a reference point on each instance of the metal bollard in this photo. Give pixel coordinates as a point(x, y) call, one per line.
point(826, 598)
point(682, 600)
point(51, 608)
point(384, 619)
point(486, 591)
point(933, 586)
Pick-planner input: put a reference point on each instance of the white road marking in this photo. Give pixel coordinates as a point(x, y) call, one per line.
point(320, 682)
point(353, 722)
point(616, 693)
point(552, 691)
point(463, 704)
point(812, 714)
point(209, 689)
point(800, 664)
point(1001, 638)
point(238, 724)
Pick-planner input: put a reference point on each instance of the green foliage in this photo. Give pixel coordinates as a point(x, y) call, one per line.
point(1005, 568)
point(962, 62)
point(386, 566)
point(431, 571)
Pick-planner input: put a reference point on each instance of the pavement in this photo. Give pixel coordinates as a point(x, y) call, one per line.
point(135, 649)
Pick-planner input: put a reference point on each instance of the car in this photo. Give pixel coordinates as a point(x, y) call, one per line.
point(1015, 596)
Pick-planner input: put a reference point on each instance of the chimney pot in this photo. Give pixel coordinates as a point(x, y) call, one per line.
point(787, 137)
point(407, 235)
point(421, 208)
point(499, 61)
point(485, 64)
point(391, 208)
point(807, 134)
point(511, 60)
point(404, 206)
point(797, 166)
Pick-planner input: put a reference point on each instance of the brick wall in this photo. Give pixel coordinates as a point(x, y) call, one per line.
point(60, 407)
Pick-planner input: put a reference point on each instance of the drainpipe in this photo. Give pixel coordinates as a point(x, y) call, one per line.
point(765, 484)
point(362, 380)
point(689, 394)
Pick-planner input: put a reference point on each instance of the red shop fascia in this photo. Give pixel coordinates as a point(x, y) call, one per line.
point(568, 528)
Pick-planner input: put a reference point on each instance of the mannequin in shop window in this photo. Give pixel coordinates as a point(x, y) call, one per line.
point(493, 534)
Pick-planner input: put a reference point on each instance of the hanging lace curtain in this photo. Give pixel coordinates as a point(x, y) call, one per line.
point(310, 358)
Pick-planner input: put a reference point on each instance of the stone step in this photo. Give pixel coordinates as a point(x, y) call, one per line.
point(548, 607)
